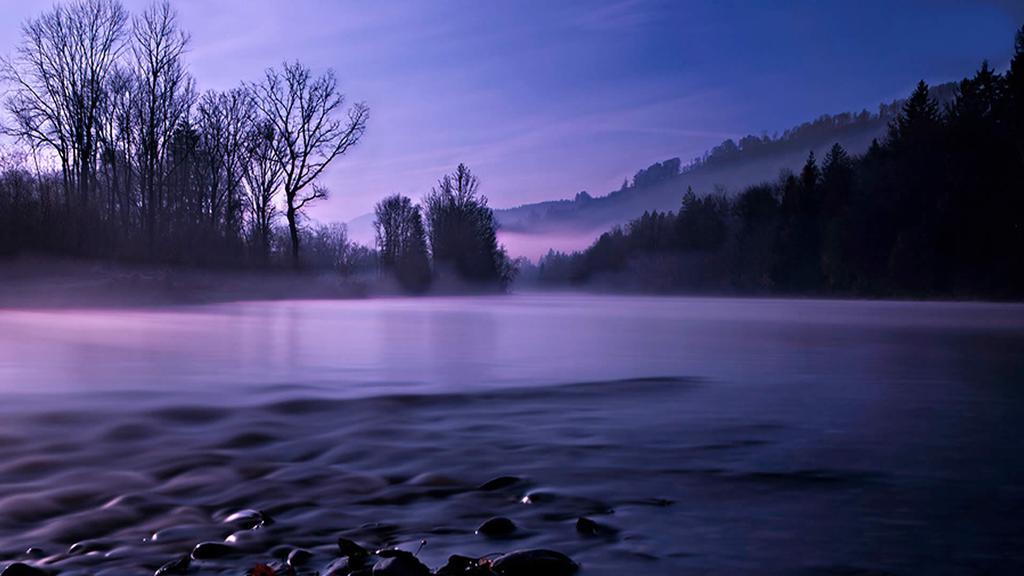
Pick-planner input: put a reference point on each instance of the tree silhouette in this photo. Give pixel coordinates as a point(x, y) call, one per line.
point(58, 77)
point(463, 231)
point(262, 175)
point(304, 110)
point(402, 242)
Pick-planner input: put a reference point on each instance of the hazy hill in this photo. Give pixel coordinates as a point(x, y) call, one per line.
point(731, 166)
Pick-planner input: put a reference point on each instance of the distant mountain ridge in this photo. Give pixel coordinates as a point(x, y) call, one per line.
point(730, 166)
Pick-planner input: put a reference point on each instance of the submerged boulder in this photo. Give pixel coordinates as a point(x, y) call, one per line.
point(179, 566)
point(587, 527)
point(399, 563)
point(499, 483)
point(298, 557)
point(250, 519)
point(211, 550)
point(458, 565)
point(497, 527)
point(342, 567)
point(354, 552)
point(19, 569)
point(535, 562)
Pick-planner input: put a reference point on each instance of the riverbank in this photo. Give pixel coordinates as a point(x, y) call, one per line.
point(48, 283)
point(45, 283)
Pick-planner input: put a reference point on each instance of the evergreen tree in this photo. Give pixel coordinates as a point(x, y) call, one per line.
point(463, 231)
point(918, 120)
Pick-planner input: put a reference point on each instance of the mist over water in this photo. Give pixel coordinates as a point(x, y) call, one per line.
point(725, 436)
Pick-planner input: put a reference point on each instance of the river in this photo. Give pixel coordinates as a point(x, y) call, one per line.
point(704, 435)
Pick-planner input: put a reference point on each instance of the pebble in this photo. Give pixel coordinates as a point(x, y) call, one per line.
point(250, 519)
point(85, 547)
point(298, 557)
point(400, 564)
point(351, 550)
point(179, 566)
point(536, 562)
point(340, 567)
point(499, 483)
point(587, 527)
point(19, 569)
point(210, 550)
point(497, 527)
point(463, 566)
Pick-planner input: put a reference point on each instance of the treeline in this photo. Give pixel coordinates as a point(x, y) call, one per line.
point(937, 208)
point(458, 240)
point(751, 146)
point(801, 137)
point(118, 155)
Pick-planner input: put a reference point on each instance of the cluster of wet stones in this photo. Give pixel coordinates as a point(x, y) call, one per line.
point(353, 559)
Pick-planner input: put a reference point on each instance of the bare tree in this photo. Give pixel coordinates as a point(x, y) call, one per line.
point(58, 77)
point(402, 242)
point(116, 142)
point(262, 177)
point(164, 98)
point(238, 118)
point(393, 227)
point(222, 121)
point(304, 111)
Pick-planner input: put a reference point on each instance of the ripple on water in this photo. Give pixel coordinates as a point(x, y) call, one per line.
point(623, 476)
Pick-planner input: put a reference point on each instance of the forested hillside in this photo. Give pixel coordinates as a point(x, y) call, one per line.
point(730, 166)
point(932, 208)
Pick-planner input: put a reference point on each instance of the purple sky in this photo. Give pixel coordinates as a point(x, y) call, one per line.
point(544, 99)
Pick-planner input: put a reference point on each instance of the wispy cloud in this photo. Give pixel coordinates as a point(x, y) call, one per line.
point(618, 15)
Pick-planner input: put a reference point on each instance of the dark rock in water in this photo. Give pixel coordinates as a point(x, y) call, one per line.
point(340, 567)
point(256, 542)
point(86, 546)
point(499, 483)
point(536, 562)
point(179, 566)
point(351, 550)
point(19, 569)
point(587, 527)
point(210, 550)
point(497, 527)
point(463, 566)
point(34, 552)
point(250, 519)
point(298, 557)
point(400, 563)
point(400, 566)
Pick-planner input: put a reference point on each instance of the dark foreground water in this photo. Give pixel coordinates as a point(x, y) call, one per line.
point(709, 436)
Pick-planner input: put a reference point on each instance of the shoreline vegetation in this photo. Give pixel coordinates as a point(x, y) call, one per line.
point(43, 283)
point(117, 157)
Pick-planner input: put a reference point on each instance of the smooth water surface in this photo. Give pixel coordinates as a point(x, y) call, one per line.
point(711, 436)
